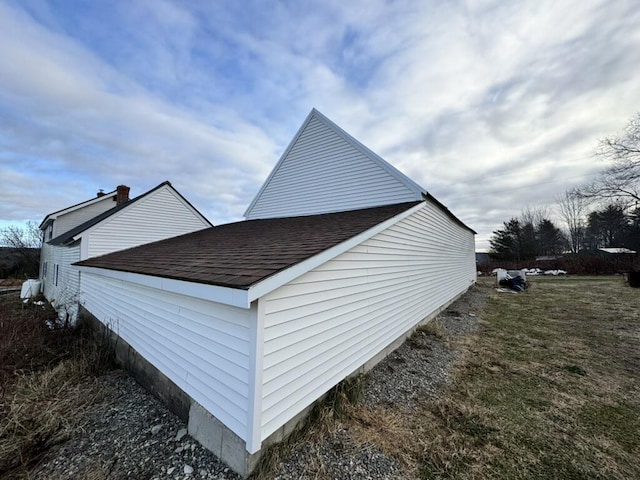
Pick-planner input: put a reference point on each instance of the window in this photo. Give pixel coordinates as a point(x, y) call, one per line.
point(56, 275)
point(44, 270)
point(50, 232)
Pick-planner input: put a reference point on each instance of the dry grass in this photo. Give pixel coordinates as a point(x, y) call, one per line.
point(326, 418)
point(433, 328)
point(46, 384)
point(549, 388)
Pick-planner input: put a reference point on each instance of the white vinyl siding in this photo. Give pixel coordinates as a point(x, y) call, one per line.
point(161, 214)
point(70, 220)
point(330, 321)
point(202, 346)
point(64, 293)
point(322, 172)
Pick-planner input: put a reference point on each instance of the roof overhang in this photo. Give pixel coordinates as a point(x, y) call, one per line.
point(273, 282)
point(52, 216)
point(225, 295)
point(239, 297)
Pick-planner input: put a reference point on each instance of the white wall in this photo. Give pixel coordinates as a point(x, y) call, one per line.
point(70, 220)
point(322, 172)
point(324, 325)
point(202, 346)
point(64, 292)
point(161, 214)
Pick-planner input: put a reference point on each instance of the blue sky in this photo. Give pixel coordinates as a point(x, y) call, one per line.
point(492, 106)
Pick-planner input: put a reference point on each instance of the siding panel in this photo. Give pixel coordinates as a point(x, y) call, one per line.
point(324, 325)
point(201, 346)
point(160, 215)
point(64, 294)
point(321, 173)
point(70, 220)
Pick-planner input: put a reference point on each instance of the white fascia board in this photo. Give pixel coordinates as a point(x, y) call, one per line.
point(394, 172)
point(214, 293)
point(181, 198)
point(269, 284)
point(64, 211)
point(88, 231)
point(279, 163)
point(366, 151)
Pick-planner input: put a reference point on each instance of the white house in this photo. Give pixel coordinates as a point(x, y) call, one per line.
point(105, 224)
point(341, 257)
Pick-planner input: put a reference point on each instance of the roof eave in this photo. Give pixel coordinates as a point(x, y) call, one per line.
point(236, 297)
point(53, 215)
point(269, 284)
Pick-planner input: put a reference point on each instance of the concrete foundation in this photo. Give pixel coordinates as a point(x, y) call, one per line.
point(202, 425)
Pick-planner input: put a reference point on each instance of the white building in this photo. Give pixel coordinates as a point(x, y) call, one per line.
point(105, 224)
point(249, 323)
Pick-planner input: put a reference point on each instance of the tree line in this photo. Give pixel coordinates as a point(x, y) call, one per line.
point(602, 214)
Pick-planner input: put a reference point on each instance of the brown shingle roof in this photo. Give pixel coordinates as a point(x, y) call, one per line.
point(240, 254)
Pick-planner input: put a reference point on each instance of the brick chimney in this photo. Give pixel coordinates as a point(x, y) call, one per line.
point(122, 194)
point(100, 193)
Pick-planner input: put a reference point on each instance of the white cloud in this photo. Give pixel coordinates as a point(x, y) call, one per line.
point(468, 98)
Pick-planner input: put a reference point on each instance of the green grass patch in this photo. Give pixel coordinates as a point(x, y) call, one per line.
point(548, 388)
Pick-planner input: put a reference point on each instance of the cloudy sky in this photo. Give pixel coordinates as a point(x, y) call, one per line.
point(491, 106)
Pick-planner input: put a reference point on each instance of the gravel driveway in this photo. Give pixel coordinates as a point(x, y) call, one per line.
point(132, 435)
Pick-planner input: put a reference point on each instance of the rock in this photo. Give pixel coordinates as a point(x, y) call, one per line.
point(155, 429)
point(170, 470)
point(188, 470)
point(181, 433)
point(178, 450)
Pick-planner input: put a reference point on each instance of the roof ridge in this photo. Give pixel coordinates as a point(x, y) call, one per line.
point(70, 234)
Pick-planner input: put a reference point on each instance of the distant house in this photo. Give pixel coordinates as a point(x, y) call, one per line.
point(242, 327)
point(105, 224)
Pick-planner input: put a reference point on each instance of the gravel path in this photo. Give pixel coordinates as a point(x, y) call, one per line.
point(132, 435)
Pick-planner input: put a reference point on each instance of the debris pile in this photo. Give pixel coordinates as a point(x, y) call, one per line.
point(516, 284)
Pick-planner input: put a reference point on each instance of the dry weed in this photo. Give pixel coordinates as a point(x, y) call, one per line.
point(45, 409)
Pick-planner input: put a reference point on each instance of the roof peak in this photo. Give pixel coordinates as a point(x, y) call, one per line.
point(321, 150)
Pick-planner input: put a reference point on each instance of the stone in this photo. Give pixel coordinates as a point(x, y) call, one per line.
point(170, 470)
point(181, 433)
point(188, 469)
point(155, 429)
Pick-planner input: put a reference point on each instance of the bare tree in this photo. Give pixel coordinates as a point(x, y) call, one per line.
point(621, 179)
point(573, 209)
point(534, 215)
point(26, 241)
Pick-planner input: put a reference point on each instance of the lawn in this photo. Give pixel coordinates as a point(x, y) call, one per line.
point(548, 388)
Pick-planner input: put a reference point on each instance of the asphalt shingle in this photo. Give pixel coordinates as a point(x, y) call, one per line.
point(240, 254)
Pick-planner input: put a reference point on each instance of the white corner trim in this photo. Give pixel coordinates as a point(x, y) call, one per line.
point(269, 284)
point(214, 293)
point(256, 367)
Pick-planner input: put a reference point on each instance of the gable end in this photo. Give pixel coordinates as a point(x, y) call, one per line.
point(324, 170)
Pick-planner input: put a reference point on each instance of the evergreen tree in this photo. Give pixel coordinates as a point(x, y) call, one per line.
point(608, 227)
point(550, 240)
point(514, 242)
